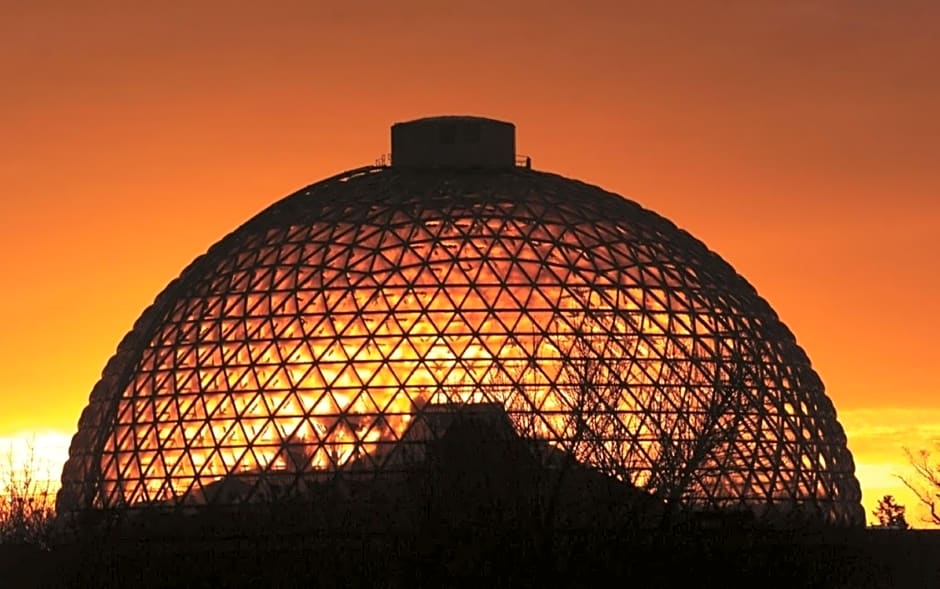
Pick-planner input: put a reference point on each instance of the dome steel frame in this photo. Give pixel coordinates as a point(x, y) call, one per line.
point(311, 341)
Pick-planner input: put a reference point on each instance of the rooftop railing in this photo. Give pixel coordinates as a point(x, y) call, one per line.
point(521, 161)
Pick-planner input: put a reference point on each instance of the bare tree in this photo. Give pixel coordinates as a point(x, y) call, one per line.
point(700, 408)
point(26, 500)
point(607, 392)
point(925, 482)
point(654, 414)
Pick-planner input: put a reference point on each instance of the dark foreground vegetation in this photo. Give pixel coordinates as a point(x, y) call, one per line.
point(210, 552)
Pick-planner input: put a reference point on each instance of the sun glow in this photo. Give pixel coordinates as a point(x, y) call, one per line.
point(878, 437)
point(36, 458)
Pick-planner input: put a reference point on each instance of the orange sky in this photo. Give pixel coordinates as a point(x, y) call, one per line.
point(799, 139)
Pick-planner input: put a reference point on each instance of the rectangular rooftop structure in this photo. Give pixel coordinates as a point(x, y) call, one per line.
point(454, 142)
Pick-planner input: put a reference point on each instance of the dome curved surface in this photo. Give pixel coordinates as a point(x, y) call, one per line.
point(312, 339)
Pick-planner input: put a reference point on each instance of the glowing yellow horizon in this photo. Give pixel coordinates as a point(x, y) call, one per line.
point(34, 457)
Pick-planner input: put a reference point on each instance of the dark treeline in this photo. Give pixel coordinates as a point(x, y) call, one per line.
point(222, 550)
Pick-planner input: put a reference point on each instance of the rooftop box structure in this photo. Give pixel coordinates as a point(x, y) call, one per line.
point(456, 142)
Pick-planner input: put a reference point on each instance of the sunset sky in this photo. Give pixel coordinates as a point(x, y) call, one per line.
point(798, 139)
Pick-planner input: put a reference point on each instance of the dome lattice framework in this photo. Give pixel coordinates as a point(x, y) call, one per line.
point(310, 342)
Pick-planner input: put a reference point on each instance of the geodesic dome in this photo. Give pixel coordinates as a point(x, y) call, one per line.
point(314, 340)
